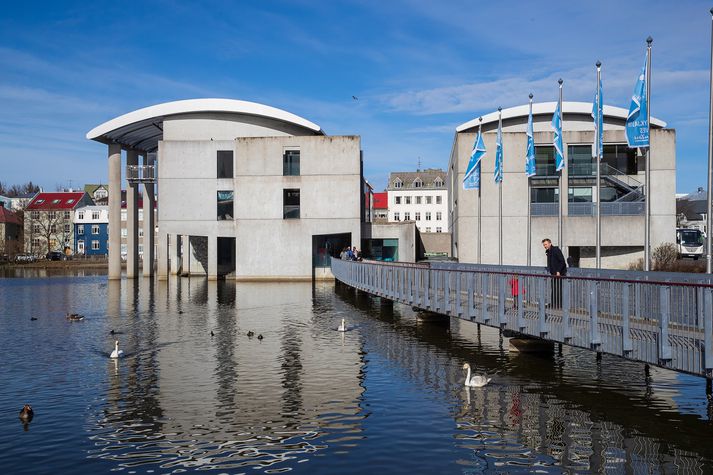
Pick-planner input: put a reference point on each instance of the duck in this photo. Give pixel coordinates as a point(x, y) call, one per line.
point(211, 333)
point(477, 381)
point(75, 317)
point(180, 312)
point(112, 332)
point(117, 353)
point(26, 413)
point(33, 319)
point(342, 326)
point(251, 334)
point(259, 337)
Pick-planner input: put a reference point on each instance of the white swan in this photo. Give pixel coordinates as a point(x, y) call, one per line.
point(477, 381)
point(342, 326)
point(117, 353)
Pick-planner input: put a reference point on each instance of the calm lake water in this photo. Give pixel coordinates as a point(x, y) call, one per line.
point(385, 397)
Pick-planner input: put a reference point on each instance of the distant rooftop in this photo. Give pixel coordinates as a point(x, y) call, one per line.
point(433, 178)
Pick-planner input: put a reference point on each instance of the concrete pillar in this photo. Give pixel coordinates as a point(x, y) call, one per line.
point(186, 254)
point(162, 265)
point(149, 223)
point(132, 219)
point(212, 258)
point(175, 253)
point(114, 211)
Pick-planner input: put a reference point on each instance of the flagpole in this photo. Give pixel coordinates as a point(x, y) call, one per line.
point(647, 196)
point(480, 184)
point(529, 207)
point(500, 192)
point(600, 110)
point(561, 172)
point(709, 197)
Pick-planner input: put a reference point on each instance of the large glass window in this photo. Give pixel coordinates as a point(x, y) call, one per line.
point(439, 216)
point(621, 158)
point(291, 163)
point(544, 195)
point(397, 200)
point(408, 200)
point(397, 217)
point(580, 194)
point(439, 200)
point(225, 205)
point(545, 160)
point(580, 160)
point(95, 229)
point(291, 203)
point(225, 164)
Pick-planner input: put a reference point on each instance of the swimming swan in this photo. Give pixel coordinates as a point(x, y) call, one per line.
point(117, 353)
point(477, 381)
point(342, 326)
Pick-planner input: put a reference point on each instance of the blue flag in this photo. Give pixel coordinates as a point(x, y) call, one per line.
point(637, 123)
point(498, 174)
point(471, 180)
point(598, 116)
point(557, 142)
point(530, 169)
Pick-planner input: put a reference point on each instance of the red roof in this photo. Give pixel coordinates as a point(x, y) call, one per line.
point(56, 200)
point(381, 200)
point(7, 216)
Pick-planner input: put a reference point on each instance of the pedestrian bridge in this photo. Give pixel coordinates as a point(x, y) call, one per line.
point(664, 319)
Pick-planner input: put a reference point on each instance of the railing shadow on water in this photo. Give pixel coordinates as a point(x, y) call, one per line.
point(639, 423)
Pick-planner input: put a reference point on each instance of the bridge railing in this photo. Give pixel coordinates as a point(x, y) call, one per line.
point(654, 319)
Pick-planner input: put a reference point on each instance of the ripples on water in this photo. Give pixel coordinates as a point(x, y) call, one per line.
point(385, 397)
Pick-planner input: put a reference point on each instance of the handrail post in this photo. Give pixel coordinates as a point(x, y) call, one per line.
point(595, 339)
point(502, 318)
point(436, 282)
point(520, 303)
point(626, 344)
point(471, 302)
point(426, 285)
point(664, 318)
point(409, 284)
point(459, 309)
point(708, 331)
point(417, 287)
point(447, 291)
point(567, 325)
point(541, 300)
point(484, 298)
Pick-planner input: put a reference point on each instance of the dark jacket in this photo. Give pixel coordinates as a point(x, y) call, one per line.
point(555, 261)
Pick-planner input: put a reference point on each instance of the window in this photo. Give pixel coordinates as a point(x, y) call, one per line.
point(80, 215)
point(439, 215)
point(95, 214)
point(225, 164)
point(66, 229)
point(438, 183)
point(428, 215)
point(95, 245)
point(36, 228)
point(70, 201)
point(53, 228)
point(408, 200)
point(398, 183)
point(36, 243)
point(52, 215)
point(141, 214)
point(439, 200)
point(35, 215)
point(291, 203)
point(417, 183)
point(225, 205)
point(141, 232)
point(95, 229)
point(580, 161)
point(418, 200)
point(124, 232)
point(40, 201)
point(397, 200)
point(580, 194)
point(123, 215)
point(397, 217)
point(418, 216)
point(429, 200)
point(291, 163)
point(54, 202)
point(67, 215)
point(428, 230)
point(545, 160)
point(544, 195)
point(407, 216)
point(80, 230)
point(620, 157)
point(439, 229)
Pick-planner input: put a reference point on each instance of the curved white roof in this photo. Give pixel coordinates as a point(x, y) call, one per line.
point(568, 107)
point(143, 128)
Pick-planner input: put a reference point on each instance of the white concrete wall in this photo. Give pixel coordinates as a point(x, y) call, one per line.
point(404, 232)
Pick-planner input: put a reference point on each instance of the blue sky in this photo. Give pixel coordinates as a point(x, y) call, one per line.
point(419, 69)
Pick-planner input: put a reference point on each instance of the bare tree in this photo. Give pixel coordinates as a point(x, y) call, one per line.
point(51, 226)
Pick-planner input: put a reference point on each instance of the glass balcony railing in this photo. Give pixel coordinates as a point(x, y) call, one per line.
point(616, 208)
point(140, 173)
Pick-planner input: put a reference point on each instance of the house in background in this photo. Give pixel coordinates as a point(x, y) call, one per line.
point(48, 224)
point(692, 211)
point(420, 196)
point(20, 202)
point(98, 192)
point(91, 233)
point(10, 232)
point(381, 207)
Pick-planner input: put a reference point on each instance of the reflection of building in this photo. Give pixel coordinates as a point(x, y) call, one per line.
point(622, 188)
point(246, 188)
point(419, 196)
point(48, 221)
point(141, 226)
point(91, 237)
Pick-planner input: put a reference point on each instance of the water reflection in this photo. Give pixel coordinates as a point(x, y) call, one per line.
point(387, 396)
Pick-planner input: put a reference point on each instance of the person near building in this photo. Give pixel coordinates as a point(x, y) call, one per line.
point(557, 267)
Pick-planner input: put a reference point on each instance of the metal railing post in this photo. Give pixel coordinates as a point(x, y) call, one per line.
point(471, 300)
point(566, 324)
point(459, 309)
point(664, 318)
point(485, 317)
point(502, 318)
point(595, 338)
point(541, 301)
point(426, 289)
point(447, 291)
point(708, 331)
point(417, 288)
point(626, 344)
point(520, 304)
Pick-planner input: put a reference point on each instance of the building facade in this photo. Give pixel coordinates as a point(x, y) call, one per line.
point(420, 196)
point(91, 234)
point(622, 189)
point(247, 190)
point(48, 221)
point(381, 207)
point(10, 233)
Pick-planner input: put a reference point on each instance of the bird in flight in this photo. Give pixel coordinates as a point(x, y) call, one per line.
point(355, 98)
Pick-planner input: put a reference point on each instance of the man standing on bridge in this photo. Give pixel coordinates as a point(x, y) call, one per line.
point(557, 267)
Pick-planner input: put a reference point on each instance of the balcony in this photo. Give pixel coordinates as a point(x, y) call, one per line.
point(140, 174)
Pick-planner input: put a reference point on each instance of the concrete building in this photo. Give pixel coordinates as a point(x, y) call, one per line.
point(420, 196)
point(91, 234)
point(623, 181)
point(246, 190)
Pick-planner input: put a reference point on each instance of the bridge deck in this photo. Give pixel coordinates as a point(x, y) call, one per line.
point(665, 323)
